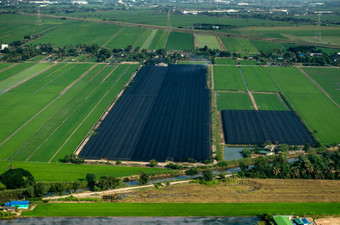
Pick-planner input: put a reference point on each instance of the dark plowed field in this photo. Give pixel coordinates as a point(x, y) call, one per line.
point(256, 127)
point(163, 114)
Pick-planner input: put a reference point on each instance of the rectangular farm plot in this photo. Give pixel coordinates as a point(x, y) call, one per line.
point(257, 127)
point(269, 102)
point(233, 100)
point(258, 79)
point(328, 79)
point(163, 114)
point(228, 78)
point(266, 46)
point(206, 40)
point(225, 61)
point(180, 41)
point(127, 36)
point(238, 45)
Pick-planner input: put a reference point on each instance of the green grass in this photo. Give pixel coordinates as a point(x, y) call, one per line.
point(233, 101)
point(21, 76)
point(128, 36)
point(238, 45)
point(14, 70)
point(225, 61)
point(319, 112)
point(228, 78)
point(328, 79)
point(205, 40)
point(258, 79)
point(148, 41)
point(4, 65)
point(183, 209)
point(247, 62)
point(268, 102)
point(76, 32)
point(31, 97)
point(194, 62)
point(71, 172)
point(266, 46)
point(180, 41)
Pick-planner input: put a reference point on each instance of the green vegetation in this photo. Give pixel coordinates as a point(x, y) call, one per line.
point(319, 112)
point(76, 32)
point(180, 41)
point(205, 40)
point(266, 46)
point(127, 36)
point(238, 45)
point(258, 79)
point(4, 66)
point(149, 39)
point(268, 102)
point(247, 62)
point(14, 70)
point(182, 209)
point(237, 101)
point(226, 61)
point(23, 75)
point(72, 172)
point(228, 78)
point(328, 79)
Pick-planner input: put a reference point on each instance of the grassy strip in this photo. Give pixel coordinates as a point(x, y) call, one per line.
point(238, 45)
point(71, 172)
point(163, 40)
point(183, 209)
point(226, 61)
point(21, 76)
point(145, 42)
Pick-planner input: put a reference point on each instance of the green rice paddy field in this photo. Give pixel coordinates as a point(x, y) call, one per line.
point(180, 41)
point(268, 102)
point(228, 78)
point(182, 209)
point(225, 61)
point(206, 40)
point(61, 105)
point(328, 79)
point(239, 45)
point(258, 79)
point(233, 101)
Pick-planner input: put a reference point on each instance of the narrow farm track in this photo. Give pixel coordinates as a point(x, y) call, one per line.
point(14, 64)
point(223, 48)
point(184, 30)
point(105, 113)
point(113, 37)
point(29, 78)
point(249, 93)
point(316, 84)
point(50, 103)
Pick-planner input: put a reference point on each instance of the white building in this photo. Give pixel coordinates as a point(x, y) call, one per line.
point(3, 46)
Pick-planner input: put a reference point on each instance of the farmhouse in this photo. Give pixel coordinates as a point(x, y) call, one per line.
point(18, 204)
point(3, 46)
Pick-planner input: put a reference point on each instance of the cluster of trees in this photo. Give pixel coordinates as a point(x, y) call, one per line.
point(104, 183)
point(73, 158)
point(322, 166)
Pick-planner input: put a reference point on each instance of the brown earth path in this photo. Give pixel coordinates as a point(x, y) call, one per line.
point(11, 66)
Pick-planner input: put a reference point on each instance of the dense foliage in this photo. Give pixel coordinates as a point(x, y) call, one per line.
point(322, 166)
point(17, 178)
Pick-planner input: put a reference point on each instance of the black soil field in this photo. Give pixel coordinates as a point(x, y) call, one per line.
point(257, 127)
point(164, 114)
